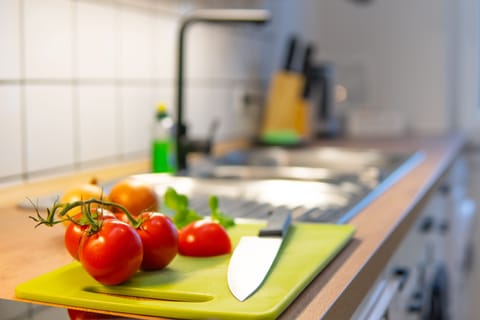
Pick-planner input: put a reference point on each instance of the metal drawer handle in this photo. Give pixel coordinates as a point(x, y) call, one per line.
point(390, 289)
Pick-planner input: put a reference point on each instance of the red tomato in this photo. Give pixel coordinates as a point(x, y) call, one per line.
point(113, 254)
point(74, 232)
point(203, 238)
point(73, 235)
point(159, 238)
point(87, 315)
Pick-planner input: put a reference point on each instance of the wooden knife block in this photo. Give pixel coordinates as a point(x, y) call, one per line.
point(282, 111)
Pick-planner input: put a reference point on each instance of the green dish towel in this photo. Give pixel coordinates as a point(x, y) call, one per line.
point(280, 137)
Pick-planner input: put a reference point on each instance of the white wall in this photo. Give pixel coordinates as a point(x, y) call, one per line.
point(390, 54)
point(465, 44)
point(79, 79)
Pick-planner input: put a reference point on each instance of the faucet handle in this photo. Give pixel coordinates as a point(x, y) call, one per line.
point(202, 145)
point(211, 134)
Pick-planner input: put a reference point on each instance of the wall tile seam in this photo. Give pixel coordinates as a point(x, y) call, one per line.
point(127, 81)
point(74, 93)
point(60, 170)
point(147, 10)
point(23, 97)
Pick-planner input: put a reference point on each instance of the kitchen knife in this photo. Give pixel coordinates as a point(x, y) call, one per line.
point(303, 105)
point(254, 255)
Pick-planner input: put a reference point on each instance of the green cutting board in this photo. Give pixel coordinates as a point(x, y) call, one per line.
point(194, 288)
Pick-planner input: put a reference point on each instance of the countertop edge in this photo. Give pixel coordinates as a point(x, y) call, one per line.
point(340, 288)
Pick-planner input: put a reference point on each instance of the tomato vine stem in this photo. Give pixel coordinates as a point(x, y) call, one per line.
point(61, 209)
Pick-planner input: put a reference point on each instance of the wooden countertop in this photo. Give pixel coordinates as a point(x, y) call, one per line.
point(26, 252)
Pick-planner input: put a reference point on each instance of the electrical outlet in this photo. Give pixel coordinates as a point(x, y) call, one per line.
point(238, 95)
point(352, 78)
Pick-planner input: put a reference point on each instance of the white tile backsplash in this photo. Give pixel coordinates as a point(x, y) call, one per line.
point(10, 131)
point(97, 40)
point(207, 105)
point(48, 38)
point(165, 94)
point(224, 51)
point(136, 44)
point(206, 51)
point(49, 127)
point(137, 115)
point(9, 39)
point(80, 79)
point(97, 125)
point(247, 55)
point(164, 46)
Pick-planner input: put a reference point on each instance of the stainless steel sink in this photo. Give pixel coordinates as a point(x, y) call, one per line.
point(256, 198)
point(367, 172)
point(328, 164)
point(333, 159)
point(318, 184)
point(369, 176)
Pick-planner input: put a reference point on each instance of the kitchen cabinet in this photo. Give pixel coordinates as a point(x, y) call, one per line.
point(428, 275)
point(383, 228)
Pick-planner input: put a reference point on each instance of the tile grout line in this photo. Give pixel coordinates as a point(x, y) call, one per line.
point(118, 89)
point(75, 88)
point(224, 82)
point(23, 95)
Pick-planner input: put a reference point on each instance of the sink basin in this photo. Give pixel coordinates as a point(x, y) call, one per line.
point(335, 159)
point(367, 172)
point(327, 164)
point(255, 199)
point(369, 176)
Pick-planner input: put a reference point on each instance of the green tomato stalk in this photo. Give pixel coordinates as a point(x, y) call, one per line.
point(61, 209)
point(183, 216)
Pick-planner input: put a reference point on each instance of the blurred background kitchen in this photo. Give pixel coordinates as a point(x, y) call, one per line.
point(80, 79)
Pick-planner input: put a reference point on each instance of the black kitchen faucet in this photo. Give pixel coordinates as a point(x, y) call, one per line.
point(183, 143)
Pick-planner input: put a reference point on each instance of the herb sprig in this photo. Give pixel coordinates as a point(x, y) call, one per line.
point(184, 215)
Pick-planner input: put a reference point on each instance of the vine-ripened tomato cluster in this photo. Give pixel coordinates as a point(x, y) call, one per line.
point(112, 247)
point(109, 249)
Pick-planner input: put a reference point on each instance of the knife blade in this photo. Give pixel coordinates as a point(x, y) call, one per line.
point(254, 255)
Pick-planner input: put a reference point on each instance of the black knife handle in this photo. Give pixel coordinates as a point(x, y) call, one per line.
point(306, 70)
point(291, 47)
point(277, 224)
point(307, 58)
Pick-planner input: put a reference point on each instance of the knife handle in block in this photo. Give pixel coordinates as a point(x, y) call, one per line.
point(277, 224)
